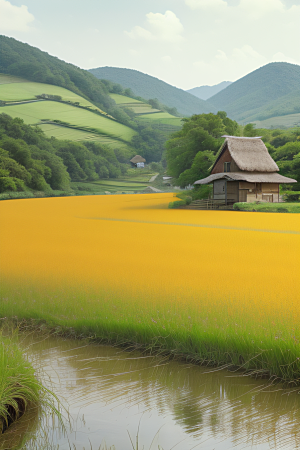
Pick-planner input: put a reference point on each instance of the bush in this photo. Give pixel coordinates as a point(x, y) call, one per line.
point(7, 184)
point(291, 196)
point(268, 207)
point(174, 205)
point(156, 167)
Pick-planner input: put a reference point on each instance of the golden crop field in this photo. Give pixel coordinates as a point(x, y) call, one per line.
point(217, 286)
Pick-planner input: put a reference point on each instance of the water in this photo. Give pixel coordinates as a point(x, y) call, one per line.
point(111, 394)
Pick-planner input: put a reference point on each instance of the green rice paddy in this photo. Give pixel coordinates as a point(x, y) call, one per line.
point(144, 111)
point(101, 187)
point(120, 184)
point(72, 134)
point(33, 113)
point(16, 89)
point(119, 99)
point(161, 117)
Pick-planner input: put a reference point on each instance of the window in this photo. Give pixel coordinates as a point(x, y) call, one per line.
point(226, 166)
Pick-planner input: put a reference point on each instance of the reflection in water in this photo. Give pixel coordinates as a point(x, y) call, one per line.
point(109, 392)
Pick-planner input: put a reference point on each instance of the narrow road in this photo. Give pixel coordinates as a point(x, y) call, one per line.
point(153, 178)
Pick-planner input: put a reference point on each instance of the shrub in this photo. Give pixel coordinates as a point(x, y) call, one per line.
point(291, 196)
point(174, 205)
point(7, 184)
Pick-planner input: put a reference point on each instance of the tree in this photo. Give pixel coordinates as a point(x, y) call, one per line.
point(249, 130)
point(199, 169)
point(182, 150)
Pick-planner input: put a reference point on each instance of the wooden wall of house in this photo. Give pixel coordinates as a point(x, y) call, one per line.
point(225, 157)
point(264, 192)
point(219, 192)
point(232, 191)
point(224, 189)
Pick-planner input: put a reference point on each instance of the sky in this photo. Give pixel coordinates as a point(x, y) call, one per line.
point(186, 43)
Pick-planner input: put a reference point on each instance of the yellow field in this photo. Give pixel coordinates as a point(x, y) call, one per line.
point(214, 282)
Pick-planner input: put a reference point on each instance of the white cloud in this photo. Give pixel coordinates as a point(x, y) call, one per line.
point(160, 27)
point(280, 57)
point(260, 8)
point(207, 5)
point(245, 53)
point(166, 59)
point(221, 56)
point(14, 18)
point(140, 33)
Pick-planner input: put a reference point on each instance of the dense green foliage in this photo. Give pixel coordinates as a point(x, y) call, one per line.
point(149, 143)
point(30, 160)
point(191, 151)
point(272, 90)
point(268, 207)
point(149, 87)
point(284, 147)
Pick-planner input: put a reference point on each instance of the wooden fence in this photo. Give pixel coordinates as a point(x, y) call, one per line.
point(209, 203)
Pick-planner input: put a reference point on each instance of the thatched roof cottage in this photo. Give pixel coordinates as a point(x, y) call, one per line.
point(137, 161)
point(245, 172)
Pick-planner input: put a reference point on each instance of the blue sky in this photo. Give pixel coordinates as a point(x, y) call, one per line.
point(186, 43)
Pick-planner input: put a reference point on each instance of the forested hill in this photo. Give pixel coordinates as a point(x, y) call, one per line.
point(149, 87)
point(272, 90)
point(33, 64)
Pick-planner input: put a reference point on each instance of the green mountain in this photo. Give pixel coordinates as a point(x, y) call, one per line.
point(205, 92)
point(149, 87)
point(270, 91)
point(70, 103)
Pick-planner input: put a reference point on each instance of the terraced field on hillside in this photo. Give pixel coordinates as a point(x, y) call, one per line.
point(15, 89)
point(71, 134)
point(33, 113)
point(145, 112)
point(163, 118)
point(84, 124)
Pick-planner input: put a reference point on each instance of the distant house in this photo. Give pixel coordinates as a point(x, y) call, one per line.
point(137, 161)
point(245, 172)
point(167, 180)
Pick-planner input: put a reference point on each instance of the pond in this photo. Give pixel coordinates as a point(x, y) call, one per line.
point(112, 395)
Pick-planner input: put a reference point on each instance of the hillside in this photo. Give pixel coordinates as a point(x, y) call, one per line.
point(270, 91)
point(205, 92)
point(145, 114)
point(64, 114)
point(149, 87)
point(23, 60)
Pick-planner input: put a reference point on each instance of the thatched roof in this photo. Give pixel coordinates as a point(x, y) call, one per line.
point(137, 159)
point(251, 177)
point(249, 154)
